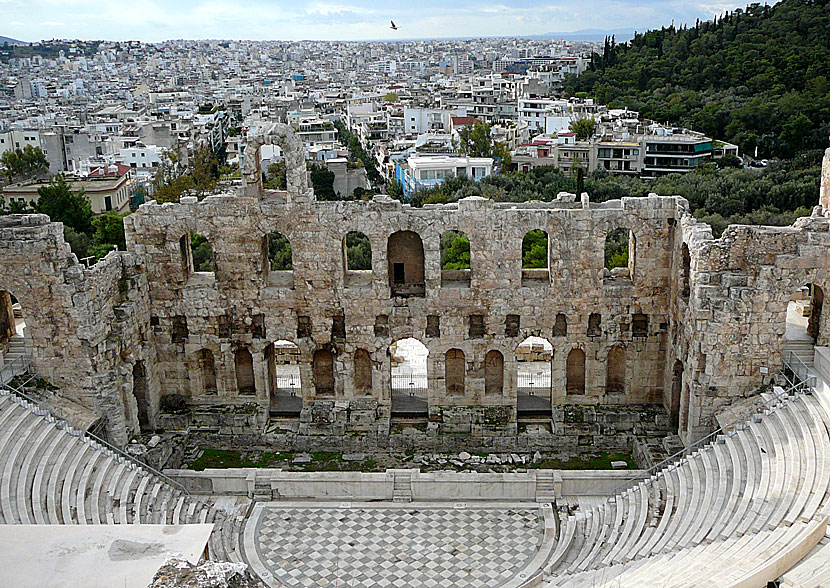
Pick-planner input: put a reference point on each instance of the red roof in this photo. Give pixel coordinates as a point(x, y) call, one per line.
point(103, 170)
point(460, 121)
point(567, 134)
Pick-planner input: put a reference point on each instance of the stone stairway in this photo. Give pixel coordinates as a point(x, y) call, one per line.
point(402, 486)
point(16, 349)
point(803, 349)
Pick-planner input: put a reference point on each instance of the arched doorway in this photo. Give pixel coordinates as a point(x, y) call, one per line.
point(244, 364)
point(455, 372)
point(534, 358)
point(13, 329)
point(803, 325)
point(615, 375)
point(284, 372)
point(493, 373)
point(323, 372)
point(140, 393)
point(409, 378)
point(575, 372)
point(362, 373)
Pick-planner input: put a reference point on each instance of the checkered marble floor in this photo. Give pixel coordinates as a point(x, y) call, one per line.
point(369, 545)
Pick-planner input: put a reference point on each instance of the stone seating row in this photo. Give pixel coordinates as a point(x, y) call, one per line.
point(50, 474)
point(769, 474)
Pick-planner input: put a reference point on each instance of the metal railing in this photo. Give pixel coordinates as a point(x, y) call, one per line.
point(289, 384)
point(61, 421)
point(536, 383)
point(18, 366)
point(412, 384)
point(800, 380)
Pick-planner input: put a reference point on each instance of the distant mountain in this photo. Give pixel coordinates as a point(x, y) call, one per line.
point(621, 35)
point(11, 41)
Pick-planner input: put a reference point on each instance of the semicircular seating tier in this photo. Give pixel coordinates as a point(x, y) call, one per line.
point(740, 511)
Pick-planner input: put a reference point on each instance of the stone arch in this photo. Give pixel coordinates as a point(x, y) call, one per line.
point(575, 372)
point(615, 375)
point(455, 259)
point(493, 373)
point(140, 393)
point(535, 257)
point(803, 316)
point(620, 251)
point(323, 372)
point(362, 373)
point(409, 377)
point(207, 369)
point(244, 364)
point(455, 368)
point(405, 255)
point(294, 153)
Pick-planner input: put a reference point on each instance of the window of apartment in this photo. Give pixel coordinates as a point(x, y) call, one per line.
point(604, 152)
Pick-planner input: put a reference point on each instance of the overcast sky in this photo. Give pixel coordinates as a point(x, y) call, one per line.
point(158, 20)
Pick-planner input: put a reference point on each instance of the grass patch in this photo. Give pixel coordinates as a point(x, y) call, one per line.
point(223, 459)
point(598, 462)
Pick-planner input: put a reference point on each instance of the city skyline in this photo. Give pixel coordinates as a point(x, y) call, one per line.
point(327, 21)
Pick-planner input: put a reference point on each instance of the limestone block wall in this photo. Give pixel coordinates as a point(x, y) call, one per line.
point(239, 307)
point(81, 324)
point(735, 318)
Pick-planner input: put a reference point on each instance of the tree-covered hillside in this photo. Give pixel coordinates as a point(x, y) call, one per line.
point(758, 77)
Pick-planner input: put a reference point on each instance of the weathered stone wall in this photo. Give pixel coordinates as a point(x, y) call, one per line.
point(696, 318)
point(239, 308)
point(81, 324)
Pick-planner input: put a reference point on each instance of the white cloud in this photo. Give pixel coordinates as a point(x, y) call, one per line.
point(51, 23)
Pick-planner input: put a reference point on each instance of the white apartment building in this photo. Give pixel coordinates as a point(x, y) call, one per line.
point(144, 159)
point(429, 120)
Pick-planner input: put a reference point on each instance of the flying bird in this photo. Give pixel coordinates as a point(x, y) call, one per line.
point(394, 27)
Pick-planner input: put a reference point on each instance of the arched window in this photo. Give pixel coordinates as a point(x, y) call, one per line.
point(575, 372)
point(323, 371)
point(405, 254)
point(207, 368)
point(615, 377)
point(244, 364)
point(362, 373)
point(620, 251)
point(493, 373)
point(455, 259)
point(357, 254)
point(535, 258)
point(279, 262)
point(202, 254)
point(454, 372)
